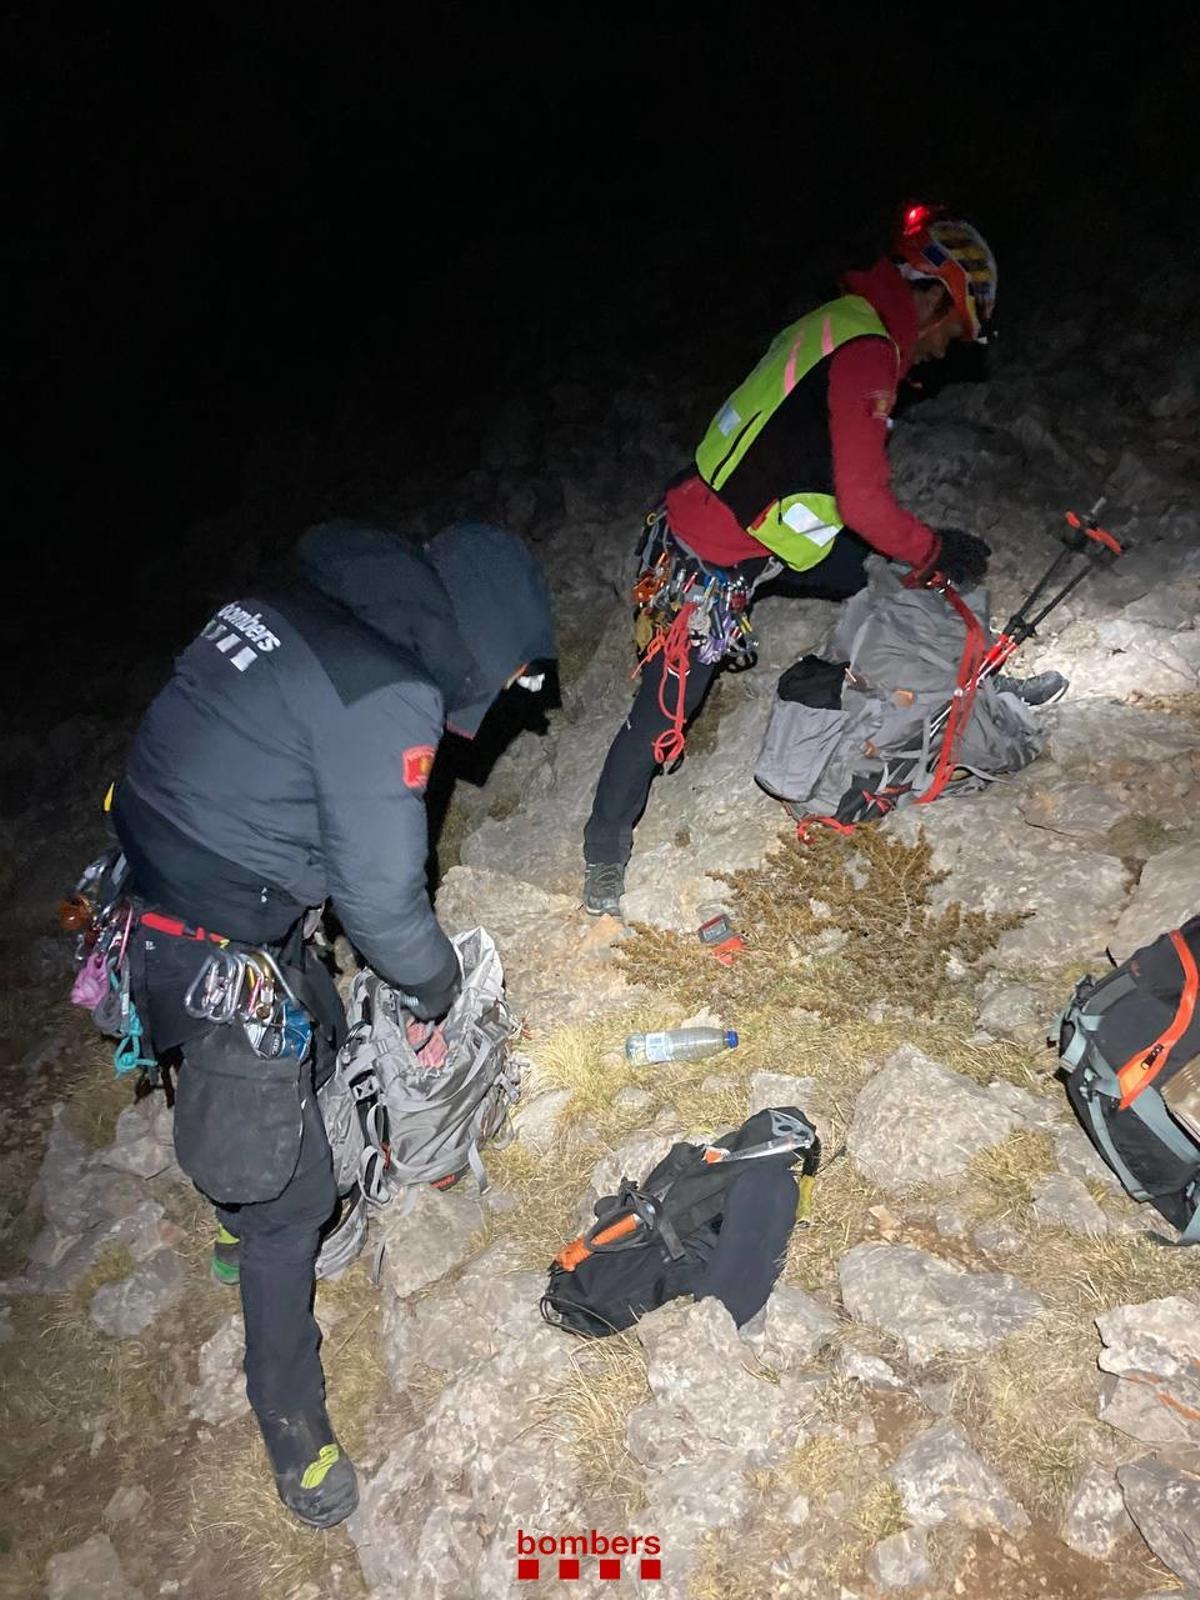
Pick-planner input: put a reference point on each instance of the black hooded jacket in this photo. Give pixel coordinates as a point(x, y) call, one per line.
point(286, 760)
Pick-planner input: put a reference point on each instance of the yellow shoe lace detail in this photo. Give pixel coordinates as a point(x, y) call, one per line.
point(316, 1471)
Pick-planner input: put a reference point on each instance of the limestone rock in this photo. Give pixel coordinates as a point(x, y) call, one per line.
point(1153, 1351)
point(703, 1391)
point(537, 1121)
point(144, 1145)
point(941, 1478)
point(1076, 1155)
point(125, 1309)
point(89, 1572)
point(995, 862)
point(1165, 1504)
point(437, 1517)
point(917, 1122)
point(58, 1260)
point(792, 1328)
point(633, 1158)
point(1065, 1202)
point(126, 1505)
point(1167, 894)
point(493, 1301)
point(1095, 1520)
point(873, 1371)
point(901, 1561)
point(559, 965)
point(781, 1089)
point(997, 1239)
point(425, 1242)
point(1012, 1011)
point(934, 1306)
point(220, 1395)
point(73, 1196)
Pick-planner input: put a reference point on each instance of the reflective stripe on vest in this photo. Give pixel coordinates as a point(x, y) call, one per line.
point(800, 526)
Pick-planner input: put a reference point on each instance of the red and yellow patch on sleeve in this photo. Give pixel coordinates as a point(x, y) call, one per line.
point(418, 764)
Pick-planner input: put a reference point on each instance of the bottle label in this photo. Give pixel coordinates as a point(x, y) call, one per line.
point(658, 1047)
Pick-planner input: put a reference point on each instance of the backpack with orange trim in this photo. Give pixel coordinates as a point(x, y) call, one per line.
point(1130, 1049)
point(709, 1219)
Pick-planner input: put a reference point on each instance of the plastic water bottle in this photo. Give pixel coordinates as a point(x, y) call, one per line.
point(678, 1044)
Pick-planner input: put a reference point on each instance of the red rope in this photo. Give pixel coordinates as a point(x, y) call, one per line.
point(675, 647)
point(974, 652)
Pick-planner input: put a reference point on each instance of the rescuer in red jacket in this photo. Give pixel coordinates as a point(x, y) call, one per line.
point(792, 488)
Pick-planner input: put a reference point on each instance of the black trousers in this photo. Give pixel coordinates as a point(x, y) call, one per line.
point(630, 767)
point(279, 1237)
point(279, 1240)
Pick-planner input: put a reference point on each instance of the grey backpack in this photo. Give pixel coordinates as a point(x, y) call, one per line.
point(844, 732)
point(394, 1122)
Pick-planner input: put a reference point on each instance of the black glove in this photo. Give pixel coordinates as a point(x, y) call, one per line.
point(431, 1001)
point(963, 558)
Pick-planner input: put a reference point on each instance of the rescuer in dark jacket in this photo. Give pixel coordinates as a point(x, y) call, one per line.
point(283, 765)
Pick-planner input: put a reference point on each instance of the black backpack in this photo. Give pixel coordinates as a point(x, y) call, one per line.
point(654, 1241)
point(1130, 1049)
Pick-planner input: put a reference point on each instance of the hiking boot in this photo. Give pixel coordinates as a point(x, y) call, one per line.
point(315, 1478)
point(1039, 690)
point(603, 886)
point(226, 1265)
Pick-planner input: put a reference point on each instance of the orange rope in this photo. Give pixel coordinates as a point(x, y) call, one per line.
point(675, 647)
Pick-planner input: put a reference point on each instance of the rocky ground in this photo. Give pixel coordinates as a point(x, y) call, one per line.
point(978, 1374)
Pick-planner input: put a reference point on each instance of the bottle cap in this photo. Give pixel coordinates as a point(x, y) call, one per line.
point(731, 1039)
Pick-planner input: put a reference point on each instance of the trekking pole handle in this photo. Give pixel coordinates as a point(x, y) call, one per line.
point(1091, 529)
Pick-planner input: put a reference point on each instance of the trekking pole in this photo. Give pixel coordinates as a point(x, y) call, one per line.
point(1100, 547)
point(1084, 537)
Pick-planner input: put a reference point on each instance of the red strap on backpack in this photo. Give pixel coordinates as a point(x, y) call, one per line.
point(965, 684)
point(1140, 1071)
point(974, 651)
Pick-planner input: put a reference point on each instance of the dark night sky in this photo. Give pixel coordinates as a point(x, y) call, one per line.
point(232, 222)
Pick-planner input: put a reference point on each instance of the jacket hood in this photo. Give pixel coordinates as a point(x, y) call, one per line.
point(892, 298)
point(467, 609)
point(501, 604)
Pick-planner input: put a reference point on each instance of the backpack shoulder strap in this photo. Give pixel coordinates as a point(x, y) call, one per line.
point(1145, 1065)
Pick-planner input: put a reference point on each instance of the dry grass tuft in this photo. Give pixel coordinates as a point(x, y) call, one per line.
point(99, 1095)
point(586, 1415)
point(833, 926)
point(880, 1513)
point(547, 1190)
point(1004, 1174)
point(234, 1534)
point(18, 1228)
point(1031, 1403)
point(842, 1200)
point(66, 1391)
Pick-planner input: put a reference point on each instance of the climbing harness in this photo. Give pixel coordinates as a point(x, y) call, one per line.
point(684, 605)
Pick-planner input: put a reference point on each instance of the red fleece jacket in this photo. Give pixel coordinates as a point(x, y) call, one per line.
point(863, 376)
